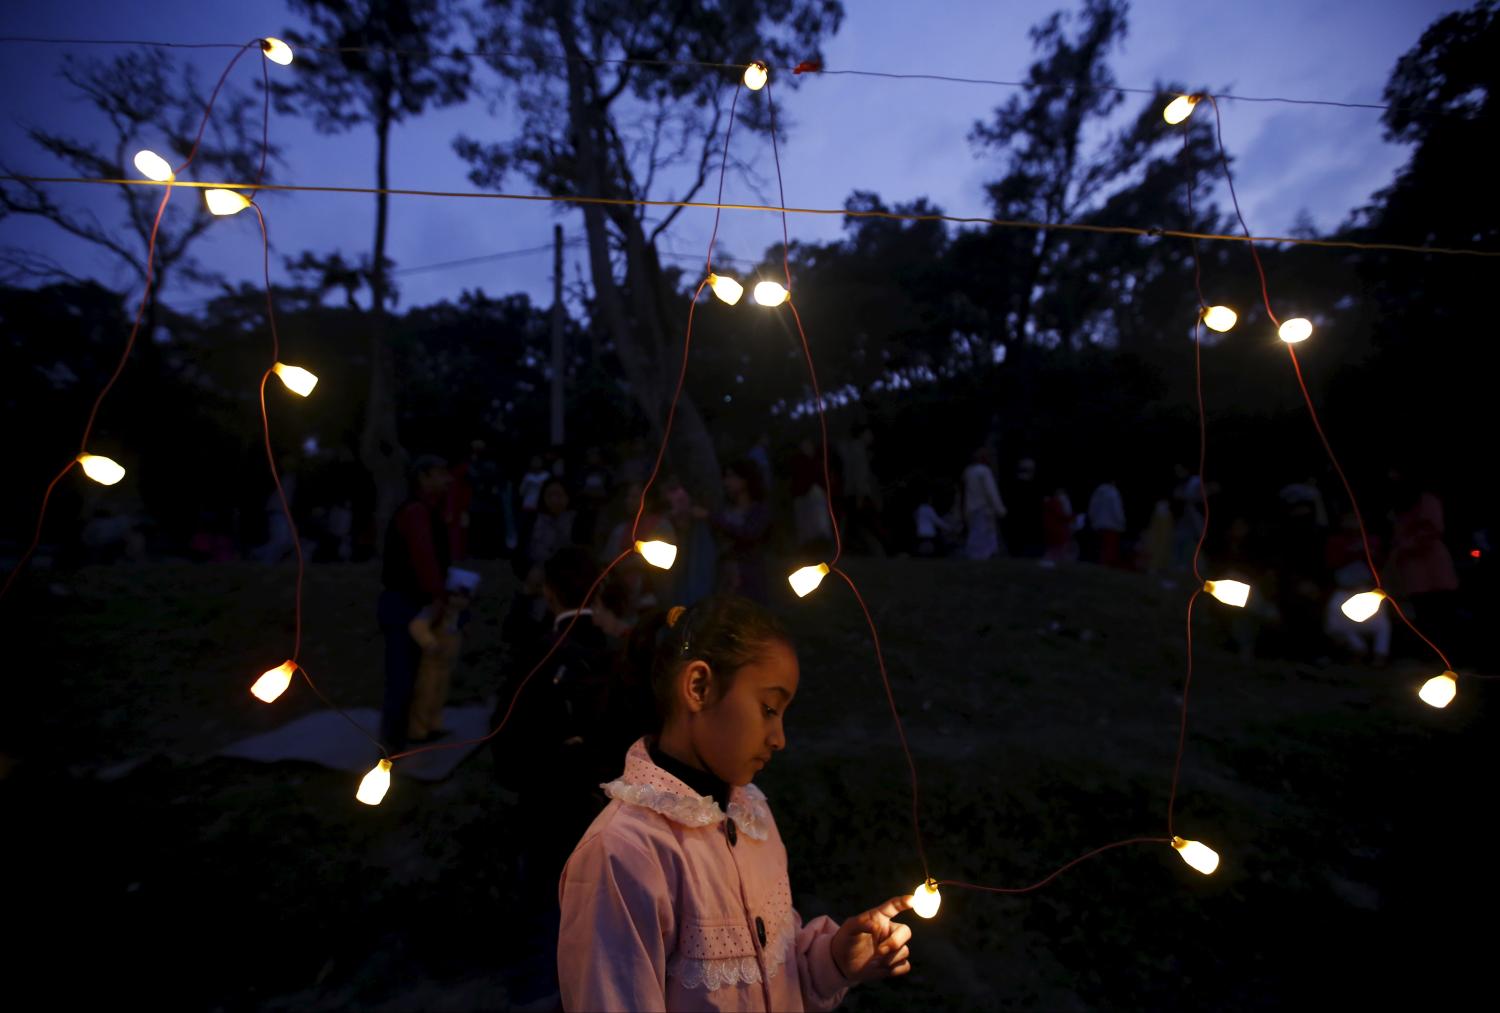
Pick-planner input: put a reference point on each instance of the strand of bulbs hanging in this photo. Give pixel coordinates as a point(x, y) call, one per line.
point(105, 470)
point(1437, 691)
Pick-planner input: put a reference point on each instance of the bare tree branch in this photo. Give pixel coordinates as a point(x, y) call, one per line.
point(710, 144)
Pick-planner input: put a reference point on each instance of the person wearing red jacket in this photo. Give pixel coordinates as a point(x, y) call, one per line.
point(413, 572)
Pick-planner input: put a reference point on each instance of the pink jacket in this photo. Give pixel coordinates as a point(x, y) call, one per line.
point(662, 909)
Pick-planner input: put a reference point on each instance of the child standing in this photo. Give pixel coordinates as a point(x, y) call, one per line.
point(436, 631)
point(677, 896)
point(929, 523)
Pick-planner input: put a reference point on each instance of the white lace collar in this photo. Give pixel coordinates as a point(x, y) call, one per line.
point(647, 785)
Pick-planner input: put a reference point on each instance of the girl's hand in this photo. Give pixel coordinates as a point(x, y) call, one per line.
point(871, 946)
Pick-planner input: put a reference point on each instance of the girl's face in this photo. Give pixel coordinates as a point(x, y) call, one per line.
point(736, 735)
point(734, 486)
point(555, 499)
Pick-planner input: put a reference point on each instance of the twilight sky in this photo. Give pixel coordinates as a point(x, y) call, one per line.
point(901, 139)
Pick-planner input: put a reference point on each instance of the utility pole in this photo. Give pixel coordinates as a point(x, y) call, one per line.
point(558, 364)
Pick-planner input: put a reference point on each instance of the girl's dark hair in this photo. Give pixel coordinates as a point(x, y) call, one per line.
point(726, 631)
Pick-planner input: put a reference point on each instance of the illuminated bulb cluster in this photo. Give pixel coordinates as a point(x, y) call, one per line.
point(1440, 690)
point(153, 166)
point(769, 293)
point(1295, 330)
point(276, 51)
point(225, 202)
point(101, 469)
point(658, 553)
point(807, 579)
point(1219, 318)
point(375, 784)
point(297, 379)
point(1230, 592)
point(1199, 856)
point(273, 682)
point(729, 291)
point(1179, 109)
point(755, 76)
point(925, 899)
point(1362, 606)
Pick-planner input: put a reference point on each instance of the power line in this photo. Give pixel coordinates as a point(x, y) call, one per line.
point(1117, 230)
point(799, 70)
point(481, 259)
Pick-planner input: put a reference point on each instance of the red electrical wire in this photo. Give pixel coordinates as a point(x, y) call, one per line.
point(265, 422)
point(135, 327)
point(330, 705)
point(723, 163)
point(1055, 873)
point(661, 451)
point(869, 619)
point(265, 120)
point(1312, 411)
point(1203, 493)
point(1198, 374)
point(36, 539)
point(786, 266)
point(687, 341)
point(885, 680)
point(1187, 685)
point(535, 669)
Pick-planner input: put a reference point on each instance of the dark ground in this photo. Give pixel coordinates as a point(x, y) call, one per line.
point(1353, 821)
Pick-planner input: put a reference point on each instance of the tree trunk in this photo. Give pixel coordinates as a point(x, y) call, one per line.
point(380, 445)
point(650, 357)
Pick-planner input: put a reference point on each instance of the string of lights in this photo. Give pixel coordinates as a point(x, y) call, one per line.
point(228, 199)
point(101, 469)
point(1141, 232)
point(806, 67)
point(1439, 690)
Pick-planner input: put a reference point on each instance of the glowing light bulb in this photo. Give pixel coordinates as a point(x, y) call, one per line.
point(276, 51)
point(727, 289)
point(807, 579)
point(768, 293)
point(1230, 592)
point(101, 469)
point(755, 76)
point(658, 554)
point(153, 166)
point(225, 202)
point(1362, 606)
point(1295, 330)
point(297, 379)
point(1219, 318)
point(1440, 690)
point(1199, 856)
point(375, 784)
point(925, 899)
point(1179, 109)
point(274, 682)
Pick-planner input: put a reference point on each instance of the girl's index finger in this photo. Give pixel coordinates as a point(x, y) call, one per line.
point(895, 906)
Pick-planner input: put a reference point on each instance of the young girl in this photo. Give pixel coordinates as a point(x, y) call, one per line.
point(677, 896)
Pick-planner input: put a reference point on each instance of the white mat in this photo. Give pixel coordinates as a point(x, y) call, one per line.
point(325, 738)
